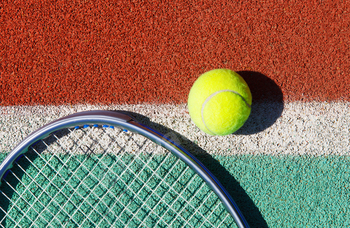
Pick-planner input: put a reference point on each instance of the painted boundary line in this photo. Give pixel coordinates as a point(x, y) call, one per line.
point(300, 129)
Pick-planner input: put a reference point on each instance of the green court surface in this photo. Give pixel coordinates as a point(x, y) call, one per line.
point(288, 191)
point(104, 190)
point(285, 191)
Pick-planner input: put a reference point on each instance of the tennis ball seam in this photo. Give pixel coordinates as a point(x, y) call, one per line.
point(214, 94)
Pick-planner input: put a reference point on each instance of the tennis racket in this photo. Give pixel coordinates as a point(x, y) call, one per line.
point(105, 169)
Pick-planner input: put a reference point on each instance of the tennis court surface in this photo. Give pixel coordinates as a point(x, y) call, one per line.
point(288, 166)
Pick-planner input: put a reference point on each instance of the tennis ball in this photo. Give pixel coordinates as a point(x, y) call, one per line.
point(219, 102)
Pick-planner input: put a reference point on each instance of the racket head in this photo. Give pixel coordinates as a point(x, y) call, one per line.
point(130, 150)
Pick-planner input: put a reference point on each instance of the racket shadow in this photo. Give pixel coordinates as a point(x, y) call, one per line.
point(244, 202)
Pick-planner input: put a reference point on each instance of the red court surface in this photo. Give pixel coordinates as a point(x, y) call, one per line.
point(69, 52)
point(288, 166)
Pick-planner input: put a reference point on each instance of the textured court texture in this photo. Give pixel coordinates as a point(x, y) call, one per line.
point(286, 167)
point(102, 177)
point(55, 52)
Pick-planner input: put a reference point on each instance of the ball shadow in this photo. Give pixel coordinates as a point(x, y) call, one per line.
point(267, 104)
point(244, 202)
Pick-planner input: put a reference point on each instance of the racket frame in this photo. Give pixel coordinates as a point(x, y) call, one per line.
point(121, 120)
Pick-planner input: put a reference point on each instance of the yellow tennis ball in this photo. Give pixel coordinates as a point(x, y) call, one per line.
point(219, 102)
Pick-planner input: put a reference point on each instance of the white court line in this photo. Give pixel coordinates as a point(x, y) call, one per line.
point(302, 128)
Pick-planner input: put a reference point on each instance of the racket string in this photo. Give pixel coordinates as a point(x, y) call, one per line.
point(119, 152)
point(27, 190)
point(171, 187)
point(56, 186)
point(14, 205)
point(67, 181)
point(126, 205)
point(130, 139)
point(59, 189)
point(108, 177)
point(144, 166)
point(152, 189)
point(97, 162)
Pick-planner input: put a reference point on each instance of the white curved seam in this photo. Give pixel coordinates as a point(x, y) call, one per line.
point(211, 96)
